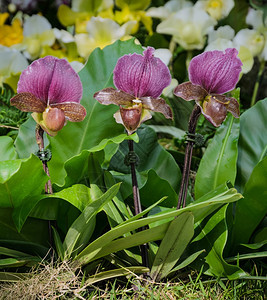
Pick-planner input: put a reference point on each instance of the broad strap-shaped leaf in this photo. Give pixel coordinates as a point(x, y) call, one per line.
point(252, 144)
point(211, 235)
point(115, 273)
point(252, 209)
point(199, 210)
point(136, 239)
point(14, 276)
point(176, 239)
point(218, 164)
point(81, 230)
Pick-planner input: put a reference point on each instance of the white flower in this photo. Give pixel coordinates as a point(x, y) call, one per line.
point(12, 62)
point(163, 54)
point(251, 38)
point(163, 12)
point(188, 27)
point(223, 32)
point(37, 33)
point(76, 65)
point(222, 38)
point(168, 91)
point(63, 36)
point(218, 9)
point(255, 19)
point(101, 32)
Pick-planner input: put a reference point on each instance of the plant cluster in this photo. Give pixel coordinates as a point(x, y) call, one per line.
point(118, 168)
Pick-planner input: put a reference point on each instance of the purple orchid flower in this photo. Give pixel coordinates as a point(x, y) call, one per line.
point(140, 80)
point(212, 74)
point(52, 90)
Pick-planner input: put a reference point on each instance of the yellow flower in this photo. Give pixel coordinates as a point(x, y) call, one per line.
point(68, 17)
point(10, 34)
point(126, 14)
point(100, 33)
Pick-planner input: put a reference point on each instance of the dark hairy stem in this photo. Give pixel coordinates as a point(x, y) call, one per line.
point(39, 134)
point(192, 124)
point(137, 204)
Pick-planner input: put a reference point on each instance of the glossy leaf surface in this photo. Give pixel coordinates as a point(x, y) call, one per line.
point(7, 150)
point(252, 209)
point(176, 239)
point(218, 164)
point(252, 144)
point(211, 235)
point(21, 184)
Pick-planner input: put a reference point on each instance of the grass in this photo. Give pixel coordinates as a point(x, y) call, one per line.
point(64, 281)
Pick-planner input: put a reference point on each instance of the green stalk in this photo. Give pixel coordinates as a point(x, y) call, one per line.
point(257, 83)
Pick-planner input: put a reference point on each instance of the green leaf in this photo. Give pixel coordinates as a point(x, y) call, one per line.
point(21, 184)
point(25, 142)
point(198, 209)
point(255, 246)
point(174, 131)
point(187, 261)
point(81, 230)
point(99, 123)
point(157, 187)
point(7, 150)
point(12, 253)
point(252, 144)
point(115, 273)
point(181, 110)
point(14, 277)
point(142, 237)
point(28, 240)
point(118, 203)
point(246, 256)
point(19, 262)
point(176, 239)
point(58, 244)
point(252, 209)
point(211, 235)
point(151, 156)
point(218, 164)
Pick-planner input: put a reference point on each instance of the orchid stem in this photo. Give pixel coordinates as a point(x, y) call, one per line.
point(39, 133)
point(137, 203)
point(257, 83)
point(192, 124)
